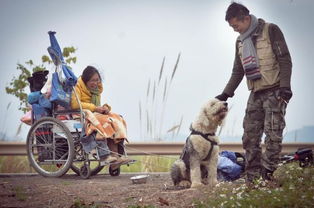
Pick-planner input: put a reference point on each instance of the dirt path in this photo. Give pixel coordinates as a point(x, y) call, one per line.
point(101, 190)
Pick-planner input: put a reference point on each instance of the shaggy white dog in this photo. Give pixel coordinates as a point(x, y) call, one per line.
point(198, 162)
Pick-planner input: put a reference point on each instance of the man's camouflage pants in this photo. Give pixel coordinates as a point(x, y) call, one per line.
point(264, 114)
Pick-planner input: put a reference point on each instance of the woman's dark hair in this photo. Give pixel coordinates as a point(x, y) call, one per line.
point(236, 10)
point(88, 72)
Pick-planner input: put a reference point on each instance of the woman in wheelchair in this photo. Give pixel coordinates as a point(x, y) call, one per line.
point(101, 123)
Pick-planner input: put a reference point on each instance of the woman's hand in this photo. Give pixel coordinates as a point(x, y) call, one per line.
point(106, 109)
point(102, 109)
point(99, 109)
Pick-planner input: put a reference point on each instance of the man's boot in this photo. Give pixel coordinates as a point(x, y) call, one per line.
point(267, 175)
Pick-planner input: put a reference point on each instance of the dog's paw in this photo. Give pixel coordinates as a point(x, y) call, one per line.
point(196, 185)
point(205, 181)
point(185, 184)
point(213, 183)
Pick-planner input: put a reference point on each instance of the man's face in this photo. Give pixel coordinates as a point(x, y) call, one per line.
point(240, 26)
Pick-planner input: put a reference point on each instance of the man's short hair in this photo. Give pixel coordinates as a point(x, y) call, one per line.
point(236, 10)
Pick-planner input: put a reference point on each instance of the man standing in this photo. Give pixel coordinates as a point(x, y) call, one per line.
point(263, 57)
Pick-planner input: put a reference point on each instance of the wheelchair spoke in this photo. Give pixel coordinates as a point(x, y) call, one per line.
point(50, 147)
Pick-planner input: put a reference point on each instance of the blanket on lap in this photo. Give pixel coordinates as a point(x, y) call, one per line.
point(110, 125)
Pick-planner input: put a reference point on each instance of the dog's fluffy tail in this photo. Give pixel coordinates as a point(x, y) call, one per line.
point(178, 172)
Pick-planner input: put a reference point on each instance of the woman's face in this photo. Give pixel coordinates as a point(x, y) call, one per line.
point(93, 82)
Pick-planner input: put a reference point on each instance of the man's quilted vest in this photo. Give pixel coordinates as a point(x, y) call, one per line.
point(268, 63)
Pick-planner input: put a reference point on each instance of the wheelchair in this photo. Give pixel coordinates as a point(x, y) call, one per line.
point(54, 146)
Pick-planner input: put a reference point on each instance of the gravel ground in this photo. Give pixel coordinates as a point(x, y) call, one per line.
point(101, 190)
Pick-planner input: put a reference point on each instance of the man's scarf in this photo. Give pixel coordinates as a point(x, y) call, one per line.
point(95, 96)
point(249, 55)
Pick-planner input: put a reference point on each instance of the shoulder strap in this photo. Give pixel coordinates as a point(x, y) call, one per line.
point(205, 136)
point(266, 31)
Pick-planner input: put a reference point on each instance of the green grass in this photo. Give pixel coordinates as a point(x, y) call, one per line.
point(293, 187)
point(139, 206)
point(150, 164)
point(20, 164)
point(147, 164)
point(66, 183)
point(20, 193)
point(80, 203)
point(15, 164)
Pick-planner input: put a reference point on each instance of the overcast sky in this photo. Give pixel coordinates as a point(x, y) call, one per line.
point(127, 41)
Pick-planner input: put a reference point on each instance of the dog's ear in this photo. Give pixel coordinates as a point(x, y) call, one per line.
point(205, 117)
point(222, 122)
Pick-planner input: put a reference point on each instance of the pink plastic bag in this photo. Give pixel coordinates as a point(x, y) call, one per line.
point(27, 118)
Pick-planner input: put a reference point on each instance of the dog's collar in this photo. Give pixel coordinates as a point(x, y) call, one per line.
point(193, 131)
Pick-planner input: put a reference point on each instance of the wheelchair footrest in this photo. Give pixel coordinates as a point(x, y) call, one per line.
point(103, 163)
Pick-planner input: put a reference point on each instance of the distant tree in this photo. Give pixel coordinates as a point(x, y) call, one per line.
point(18, 84)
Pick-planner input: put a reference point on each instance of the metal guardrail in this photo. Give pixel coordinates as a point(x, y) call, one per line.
point(158, 148)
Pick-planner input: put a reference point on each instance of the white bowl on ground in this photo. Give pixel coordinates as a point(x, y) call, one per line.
point(139, 179)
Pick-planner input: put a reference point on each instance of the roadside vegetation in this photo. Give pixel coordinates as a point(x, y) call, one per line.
point(151, 163)
point(18, 86)
point(293, 186)
point(15, 164)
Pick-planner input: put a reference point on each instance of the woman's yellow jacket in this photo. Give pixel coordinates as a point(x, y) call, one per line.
point(84, 95)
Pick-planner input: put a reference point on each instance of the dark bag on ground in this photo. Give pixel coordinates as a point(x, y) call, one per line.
point(230, 166)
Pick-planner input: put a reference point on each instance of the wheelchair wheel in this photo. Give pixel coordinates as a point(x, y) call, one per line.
point(114, 172)
point(93, 171)
point(50, 147)
point(85, 171)
point(80, 157)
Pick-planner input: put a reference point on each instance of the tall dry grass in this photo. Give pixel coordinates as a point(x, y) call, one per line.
point(140, 115)
point(15, 164)
point(4, 122)
point(156, 101)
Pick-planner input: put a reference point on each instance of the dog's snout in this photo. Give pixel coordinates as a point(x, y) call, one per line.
point(226, 104)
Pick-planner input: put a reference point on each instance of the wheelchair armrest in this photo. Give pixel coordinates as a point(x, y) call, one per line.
point(56, 112)
point(62, 112)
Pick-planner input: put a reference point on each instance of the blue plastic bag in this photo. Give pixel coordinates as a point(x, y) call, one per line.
point(70, 78)
point(40, 111)
point(227, 168)
point(55, 50)
point(33, 97)
point(44, 102)
point(60, 94)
